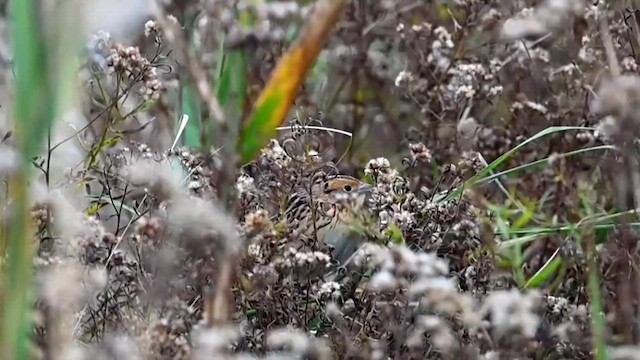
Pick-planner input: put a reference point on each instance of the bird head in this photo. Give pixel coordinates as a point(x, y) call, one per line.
point(342, 188)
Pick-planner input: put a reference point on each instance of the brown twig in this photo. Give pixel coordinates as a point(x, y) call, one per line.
point(625, 258)
point(175, 36)
point(217, 306)
point(614, 67)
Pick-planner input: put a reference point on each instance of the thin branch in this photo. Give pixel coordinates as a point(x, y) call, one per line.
point(176, 37)
point(614, 66)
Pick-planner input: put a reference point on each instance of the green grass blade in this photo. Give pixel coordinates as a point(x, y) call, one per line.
point(546, 132)
point(532, 234)
point(45, 69)
point(191, 108)
point(190, 101)
point(546, 272)
point(233, 83)
point(32, 108)
point(487, 171)
point(534, 164)
point(598, 325)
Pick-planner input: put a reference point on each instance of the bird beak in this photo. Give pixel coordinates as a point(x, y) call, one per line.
point(365, 189)
point(364, 192)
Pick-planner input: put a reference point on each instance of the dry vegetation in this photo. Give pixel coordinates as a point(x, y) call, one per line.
point(536, 262)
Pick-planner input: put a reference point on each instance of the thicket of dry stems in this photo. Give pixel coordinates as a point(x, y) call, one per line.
point(431, 91)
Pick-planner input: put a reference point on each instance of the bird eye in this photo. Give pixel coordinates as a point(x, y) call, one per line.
point(347, 188)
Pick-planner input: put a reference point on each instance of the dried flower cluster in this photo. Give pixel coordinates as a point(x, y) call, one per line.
point(134, 67)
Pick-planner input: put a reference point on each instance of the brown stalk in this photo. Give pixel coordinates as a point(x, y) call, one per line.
point(217, 305)
point(625, 273)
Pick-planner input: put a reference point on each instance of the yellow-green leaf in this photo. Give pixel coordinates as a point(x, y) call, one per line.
point(394, 234)
point(276, 99)
point(94, 209)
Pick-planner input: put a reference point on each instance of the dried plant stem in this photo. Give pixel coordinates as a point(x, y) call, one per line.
point(614, 66)
point(219, 307)
point(626, 274)
point(175, 36)
point(227, 133)
point(17, 281)
point(597, 318)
